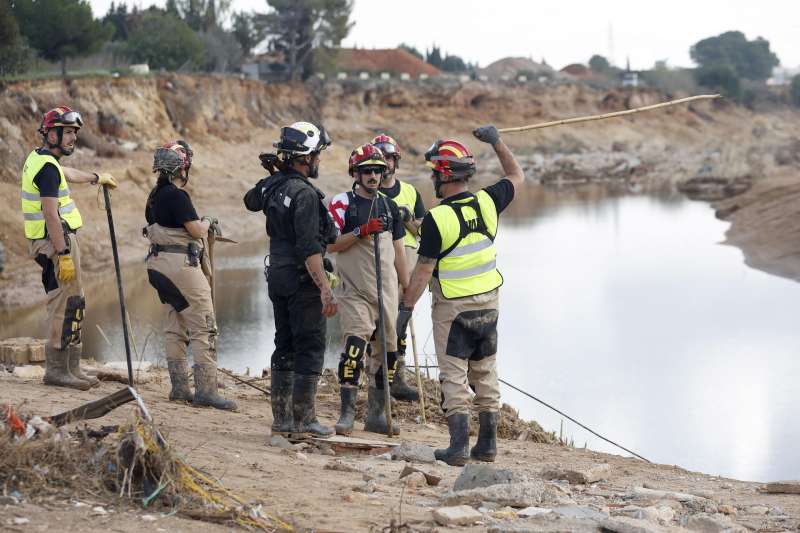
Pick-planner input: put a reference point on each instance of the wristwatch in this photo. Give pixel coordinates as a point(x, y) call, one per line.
point(357, 232)
point(65, 251)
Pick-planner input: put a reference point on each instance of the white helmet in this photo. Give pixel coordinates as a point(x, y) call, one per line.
point(302, 138)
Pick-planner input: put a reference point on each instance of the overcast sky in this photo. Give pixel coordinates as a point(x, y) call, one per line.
point(562, 31)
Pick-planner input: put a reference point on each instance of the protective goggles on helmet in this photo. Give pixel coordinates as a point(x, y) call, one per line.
point(387, 148)
point(70, 118)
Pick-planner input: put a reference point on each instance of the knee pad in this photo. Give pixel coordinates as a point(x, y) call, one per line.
point(351, 362)
point(73, 317)
point(391, 358)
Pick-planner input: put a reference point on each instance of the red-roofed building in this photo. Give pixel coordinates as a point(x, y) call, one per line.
point(395, 61)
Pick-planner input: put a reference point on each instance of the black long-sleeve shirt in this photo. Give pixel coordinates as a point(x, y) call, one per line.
point(298, 223)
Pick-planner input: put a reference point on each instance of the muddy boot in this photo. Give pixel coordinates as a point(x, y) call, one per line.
point(400, 389)
point(57, 370)
point(205, 389)
point(281, 382)
point(75, 353)
point(456, 454)
point(179, 377)
point(486, 447)
point(376, 413)
point(304, 395)
point(347, 415)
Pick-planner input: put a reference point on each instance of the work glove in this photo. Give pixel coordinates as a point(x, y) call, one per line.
point(66, 268)
point(487, 134)
point(373, 226)
point(403, 317)
point(213, 225)
point(405, 213)
point(106, 179)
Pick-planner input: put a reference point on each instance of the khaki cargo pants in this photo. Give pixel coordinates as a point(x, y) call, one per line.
point(66, 304)
point(465, 336)
point(186, 294)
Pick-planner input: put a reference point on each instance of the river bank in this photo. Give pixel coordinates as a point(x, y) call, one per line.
point(314, 490)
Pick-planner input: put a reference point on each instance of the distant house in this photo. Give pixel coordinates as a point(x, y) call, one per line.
point(266, 67)
point(577, 70)
point(394, 61)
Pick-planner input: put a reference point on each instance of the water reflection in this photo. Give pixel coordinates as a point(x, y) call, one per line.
point(621, 310)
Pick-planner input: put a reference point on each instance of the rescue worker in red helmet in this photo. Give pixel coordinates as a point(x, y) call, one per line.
point(412, 210)
point(457, 251)
point(360, 215)
point(174, 270)
point(299, 229)
point(52, 220)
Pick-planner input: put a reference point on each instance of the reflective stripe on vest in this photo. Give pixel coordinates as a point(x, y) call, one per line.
point(32, 202)
point(407, 197)
point(467, 265)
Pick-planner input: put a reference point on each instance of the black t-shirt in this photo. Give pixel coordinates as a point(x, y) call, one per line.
point(47, 179)
point(365, 209)
point(170, 207)
point(394, 190)
point(502, 193)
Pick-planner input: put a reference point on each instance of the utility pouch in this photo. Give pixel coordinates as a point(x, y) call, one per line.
point(193, 252)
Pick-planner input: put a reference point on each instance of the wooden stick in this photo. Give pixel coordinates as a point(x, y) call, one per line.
point(243, 382)
point(420, 390)
point(609, 115)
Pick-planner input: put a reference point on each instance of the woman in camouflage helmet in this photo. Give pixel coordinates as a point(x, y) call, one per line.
point(176, 236)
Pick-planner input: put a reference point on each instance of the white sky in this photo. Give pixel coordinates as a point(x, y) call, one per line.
point(562, 31)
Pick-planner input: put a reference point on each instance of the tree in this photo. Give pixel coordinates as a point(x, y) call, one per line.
point(200, 15)
point(301, 29)
point(720, 78)
point(599, 64)
point(221, 51)
point(411, 50)
point(14, 55)
point(246, 32)
point(117, 17)
point(434, 57)
point(453, 64)
point(794, 90)
point(164, 41)
point(60, 29)
point(752, 60)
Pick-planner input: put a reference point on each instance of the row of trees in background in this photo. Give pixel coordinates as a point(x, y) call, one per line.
point(184, 34)
point(446, 62)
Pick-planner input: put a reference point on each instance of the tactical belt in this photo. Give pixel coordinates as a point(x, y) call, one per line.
point(192, 251)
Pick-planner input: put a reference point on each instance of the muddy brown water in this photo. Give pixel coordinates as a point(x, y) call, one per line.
point(624, 311)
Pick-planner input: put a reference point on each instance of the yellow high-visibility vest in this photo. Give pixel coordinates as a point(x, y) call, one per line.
point(408, 198)
point(32, 203)
point(467, 263)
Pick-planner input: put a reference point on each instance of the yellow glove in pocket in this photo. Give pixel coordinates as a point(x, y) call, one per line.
point(66, 268)
point(106, 179)
point(333, 279)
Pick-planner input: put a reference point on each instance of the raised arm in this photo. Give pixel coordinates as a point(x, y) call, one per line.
point(511, 168)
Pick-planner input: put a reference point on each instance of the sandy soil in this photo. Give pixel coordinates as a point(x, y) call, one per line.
point(298, 488)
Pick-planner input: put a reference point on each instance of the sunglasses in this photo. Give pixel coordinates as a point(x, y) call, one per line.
point(371, 170)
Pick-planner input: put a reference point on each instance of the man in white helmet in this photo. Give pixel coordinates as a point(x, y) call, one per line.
point(299, 230)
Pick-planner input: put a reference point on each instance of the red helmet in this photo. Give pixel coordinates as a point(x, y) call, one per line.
point(60, 116)
point(451, 158)
point(365, 155)
point(387, 145)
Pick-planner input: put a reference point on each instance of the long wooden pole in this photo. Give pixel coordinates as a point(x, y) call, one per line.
point(609, 115)
point(420, 389)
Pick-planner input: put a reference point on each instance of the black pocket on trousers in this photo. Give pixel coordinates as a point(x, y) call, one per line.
point(168, 293)
point(473, 335)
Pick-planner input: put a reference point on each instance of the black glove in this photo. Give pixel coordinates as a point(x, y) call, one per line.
point(487, 134)
point(405, 213)
point(403, 317)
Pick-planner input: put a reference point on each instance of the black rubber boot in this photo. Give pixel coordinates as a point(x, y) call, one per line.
point(347, 415)
point(400, 389)
point(75, 352)
point(281, 382)
point(57, 370)
point(304, 395)
point(179, 377)
point(205, 389)
point(456, 454)
point(376, 413)
point(486, 447)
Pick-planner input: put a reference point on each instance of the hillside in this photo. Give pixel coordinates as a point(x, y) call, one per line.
point(230, 121)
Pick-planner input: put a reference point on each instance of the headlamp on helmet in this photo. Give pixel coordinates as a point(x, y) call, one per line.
point(302, 138)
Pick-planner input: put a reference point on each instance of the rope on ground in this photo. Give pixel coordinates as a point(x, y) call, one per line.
point(590, 430)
